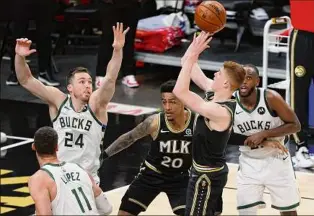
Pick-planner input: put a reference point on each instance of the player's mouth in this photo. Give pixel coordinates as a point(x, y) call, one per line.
point(243, 89)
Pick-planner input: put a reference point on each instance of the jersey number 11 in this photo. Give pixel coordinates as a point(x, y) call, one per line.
point(76, 194)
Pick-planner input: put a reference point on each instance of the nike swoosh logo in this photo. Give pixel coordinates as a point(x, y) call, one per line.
point(239, 112)
point(163, 131)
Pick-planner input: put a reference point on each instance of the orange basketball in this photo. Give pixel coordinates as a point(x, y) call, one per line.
point(210, 16)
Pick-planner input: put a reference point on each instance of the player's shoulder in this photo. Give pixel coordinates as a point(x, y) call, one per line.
point(39, 177)
point(271, 95)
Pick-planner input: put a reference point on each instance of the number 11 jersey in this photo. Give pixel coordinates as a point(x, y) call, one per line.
point(80, 137)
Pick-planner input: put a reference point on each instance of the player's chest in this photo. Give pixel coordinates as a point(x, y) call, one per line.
point(174, 146)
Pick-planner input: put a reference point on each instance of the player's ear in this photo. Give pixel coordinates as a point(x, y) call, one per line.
point(69, 87)
point(257, 81)
point(227, 84)
point(33, 147)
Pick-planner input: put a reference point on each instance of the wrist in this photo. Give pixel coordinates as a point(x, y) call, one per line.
point(265, 134)
point(117, 49)
point(192, 58)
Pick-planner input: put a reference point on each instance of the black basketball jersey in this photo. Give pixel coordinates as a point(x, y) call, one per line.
point(171, 151)
point(209, 145)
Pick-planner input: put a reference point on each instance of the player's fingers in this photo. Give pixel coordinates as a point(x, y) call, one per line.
point(126, 30)
point(32, 51)
point(208, 40)
point(121, 27)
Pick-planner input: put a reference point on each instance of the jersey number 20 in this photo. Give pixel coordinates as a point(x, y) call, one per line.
point(175, 163)
point(68, 140)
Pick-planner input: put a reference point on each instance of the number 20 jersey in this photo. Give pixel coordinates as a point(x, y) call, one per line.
point(80, 137)
point(171, 151)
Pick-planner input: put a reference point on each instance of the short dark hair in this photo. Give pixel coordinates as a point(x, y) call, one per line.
point(167, 86)
point(46, 141)
point(253, 67)
point(74, 71)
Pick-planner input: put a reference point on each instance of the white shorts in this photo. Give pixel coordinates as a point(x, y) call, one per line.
point(274, 173)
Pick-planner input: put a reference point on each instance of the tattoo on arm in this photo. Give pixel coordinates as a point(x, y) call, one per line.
point(127, 139)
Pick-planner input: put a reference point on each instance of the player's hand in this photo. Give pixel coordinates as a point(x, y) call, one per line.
point(22, 47)
point(275, 144)
point(255, 139)
point(119, 36)
point(198, 45)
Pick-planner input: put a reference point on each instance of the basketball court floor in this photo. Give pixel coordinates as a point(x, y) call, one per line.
point(18, 163)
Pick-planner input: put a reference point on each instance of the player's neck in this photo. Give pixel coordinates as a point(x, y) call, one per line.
point(78, 105)
point(42, 160)
point(221, 96)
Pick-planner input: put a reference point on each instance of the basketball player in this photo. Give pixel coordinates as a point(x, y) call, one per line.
point(62, 188)
point(302, 74)
point(212, 128)
point(165, 168)
point(79, 118)
point(264, 115)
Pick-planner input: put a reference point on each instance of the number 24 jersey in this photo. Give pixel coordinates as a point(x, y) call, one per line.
point(80, 136)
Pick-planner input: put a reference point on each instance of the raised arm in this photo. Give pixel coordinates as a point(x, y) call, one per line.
point(102, 96)
point(197, 75)
point(50, 95)
point(213, 111)
point(280, 107)
point(40, 193)
point(148, 127)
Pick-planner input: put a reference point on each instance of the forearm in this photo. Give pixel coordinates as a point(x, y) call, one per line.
point(283, 130)
point(23, 72)
point(123, 142)
point(114, 65)
point(199, 78)
point(182, 86)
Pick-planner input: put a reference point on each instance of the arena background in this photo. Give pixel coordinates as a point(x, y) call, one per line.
point(21, 113)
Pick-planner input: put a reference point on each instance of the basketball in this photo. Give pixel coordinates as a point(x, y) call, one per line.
point(210, 16)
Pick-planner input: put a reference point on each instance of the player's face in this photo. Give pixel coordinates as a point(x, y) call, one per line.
point(251, 81)
point(219, 80)
point(82, 86)
point(171, 105)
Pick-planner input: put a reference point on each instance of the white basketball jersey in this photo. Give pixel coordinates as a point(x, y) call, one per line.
point(80, 137)
point(75, 194)
point(259, 119)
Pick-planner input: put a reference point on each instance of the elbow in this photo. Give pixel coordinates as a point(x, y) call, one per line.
point(179, 92)
point(297, 126)
point(24, 80)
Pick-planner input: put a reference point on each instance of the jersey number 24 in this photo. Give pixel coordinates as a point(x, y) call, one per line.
point(69, 140)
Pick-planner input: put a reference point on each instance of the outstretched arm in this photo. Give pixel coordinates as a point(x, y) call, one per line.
point(40, 194)
point(148, 127)
point(197, 75)
point(104, 94)
point(291, 122)
point(48, 94)
point(213, 111)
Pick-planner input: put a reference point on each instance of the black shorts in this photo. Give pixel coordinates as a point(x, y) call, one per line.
point(148, 184)
point(204, 194)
